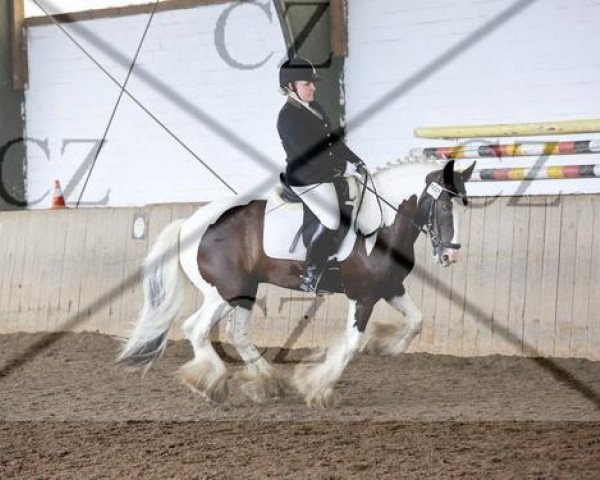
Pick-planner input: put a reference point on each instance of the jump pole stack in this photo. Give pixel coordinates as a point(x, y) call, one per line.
point(518, 149)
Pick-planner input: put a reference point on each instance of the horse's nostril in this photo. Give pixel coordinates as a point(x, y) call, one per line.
point(446, 257)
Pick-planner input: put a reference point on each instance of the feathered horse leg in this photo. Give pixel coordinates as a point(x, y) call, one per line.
point(206, 373)
point(316, 381)
point(260, 379)
point(387, 338)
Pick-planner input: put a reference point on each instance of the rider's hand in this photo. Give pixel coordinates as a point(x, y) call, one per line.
point(360, 167)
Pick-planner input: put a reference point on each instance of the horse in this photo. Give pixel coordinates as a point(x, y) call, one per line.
point(220, 250)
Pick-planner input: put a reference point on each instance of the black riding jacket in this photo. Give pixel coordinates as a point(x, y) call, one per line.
point(315, 152)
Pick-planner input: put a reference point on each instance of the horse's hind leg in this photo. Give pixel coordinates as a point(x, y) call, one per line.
point(260, 380)
point(390, 339)
point(206, 373)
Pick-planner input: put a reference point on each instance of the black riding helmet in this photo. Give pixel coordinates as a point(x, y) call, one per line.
point(295, 70)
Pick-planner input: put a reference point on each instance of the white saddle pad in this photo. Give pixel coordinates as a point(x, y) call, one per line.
point(281, 223)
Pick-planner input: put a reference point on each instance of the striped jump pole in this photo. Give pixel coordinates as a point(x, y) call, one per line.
point(543, 173)
point(527, 149)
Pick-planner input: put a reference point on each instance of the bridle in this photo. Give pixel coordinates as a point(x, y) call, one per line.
point(433, 192)
point(427, 226)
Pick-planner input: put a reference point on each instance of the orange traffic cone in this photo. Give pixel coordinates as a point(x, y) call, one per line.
point(58, 199)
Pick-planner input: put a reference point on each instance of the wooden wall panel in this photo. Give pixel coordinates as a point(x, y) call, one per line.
point(425, 271)
point(593, 340)
point(278, 307)
point(20, 293)
point(414, 285)
point(458, 295)
point(500, 314)
point(131, 296)
point(321, 321)
point(51, 259)
point(550, 276)
point(56, 265)
point(9, 231)
point(533, 294)
point(583, 275)
point(518, 276)
point(93, 284)
point(11, 237)
point(301, 319)
point(18, 45)
point(530, 267)
point(28, 318)
point(259, 327)
point(72, 270)
point(566, 277)
point(491, 232)
point(473, 257)
point(339, 28)
point(116, 266)
point(442, 309)
point(337, 313)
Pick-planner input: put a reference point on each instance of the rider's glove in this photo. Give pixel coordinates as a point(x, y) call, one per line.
point(360, 167)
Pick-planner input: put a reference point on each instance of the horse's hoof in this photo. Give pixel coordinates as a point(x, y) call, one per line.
point(385, 340)
point(324, 399)
point(314, 392)
point(262, 385)
point(374, 346)
point(201, 376)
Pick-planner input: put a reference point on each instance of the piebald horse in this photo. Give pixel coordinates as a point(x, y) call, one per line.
point(220, 249)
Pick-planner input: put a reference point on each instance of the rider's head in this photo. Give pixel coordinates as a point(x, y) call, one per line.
point(298, 75)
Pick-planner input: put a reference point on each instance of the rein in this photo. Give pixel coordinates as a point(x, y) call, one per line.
point(368, 177)
point(427, 226)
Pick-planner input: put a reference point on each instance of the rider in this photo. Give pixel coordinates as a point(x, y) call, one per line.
point(316, 155)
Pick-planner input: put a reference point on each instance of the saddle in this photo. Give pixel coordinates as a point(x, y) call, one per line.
point(310, 222)
point(286, 221)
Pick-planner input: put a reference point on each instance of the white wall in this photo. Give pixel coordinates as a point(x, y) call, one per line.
point(67, 6)
point(181, 78)
point(542, 64)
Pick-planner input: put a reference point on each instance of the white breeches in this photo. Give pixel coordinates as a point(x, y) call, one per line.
point(321, 199)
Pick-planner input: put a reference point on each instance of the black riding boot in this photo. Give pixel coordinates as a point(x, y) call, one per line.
point(317, 251)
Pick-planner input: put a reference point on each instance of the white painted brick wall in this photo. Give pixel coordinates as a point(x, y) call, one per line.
point(542, 64)
point(70, 98)
point(67, 6)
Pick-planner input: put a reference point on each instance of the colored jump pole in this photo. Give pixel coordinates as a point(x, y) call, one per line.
point(518, 149)
point(543, 173)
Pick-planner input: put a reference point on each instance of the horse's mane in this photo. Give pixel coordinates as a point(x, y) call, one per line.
point(411, 159)
point(396, 182)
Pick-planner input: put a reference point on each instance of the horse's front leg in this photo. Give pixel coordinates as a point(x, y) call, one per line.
point(260, 380)
point(387, 338)
point(315, 380)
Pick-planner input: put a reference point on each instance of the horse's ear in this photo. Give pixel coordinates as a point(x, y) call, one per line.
point(449, 174)
point(468, 172)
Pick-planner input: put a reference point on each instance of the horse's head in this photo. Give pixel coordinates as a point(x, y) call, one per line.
point(436, 210)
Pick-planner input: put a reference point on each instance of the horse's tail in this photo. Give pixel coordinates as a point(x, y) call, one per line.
point(163, 297)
